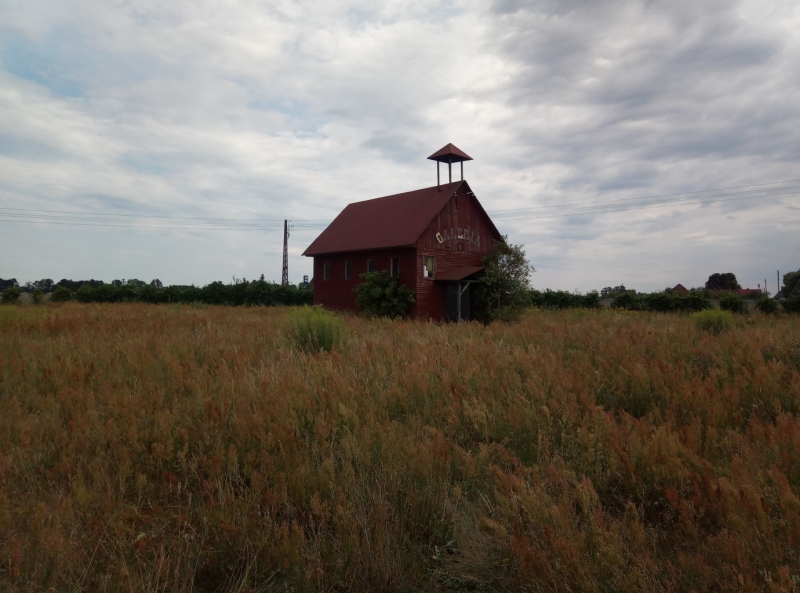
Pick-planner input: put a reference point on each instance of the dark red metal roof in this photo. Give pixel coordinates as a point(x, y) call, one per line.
point(450, 154)
point(381, 223)
point(459, 273)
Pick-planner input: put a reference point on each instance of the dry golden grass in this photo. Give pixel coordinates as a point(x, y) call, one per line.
point(172, 448)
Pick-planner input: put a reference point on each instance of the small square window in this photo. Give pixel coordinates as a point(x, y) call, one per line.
point(428, 265)
point(370, 265)
point(347, 270)
point(326, 270)
point(394, 269)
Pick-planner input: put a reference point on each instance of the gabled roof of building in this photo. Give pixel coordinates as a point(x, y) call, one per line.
point(391, 221)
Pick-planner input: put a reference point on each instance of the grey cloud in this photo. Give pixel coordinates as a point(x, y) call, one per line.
point(394, 146)
point(298, 108)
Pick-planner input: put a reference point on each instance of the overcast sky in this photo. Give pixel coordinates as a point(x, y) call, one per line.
point(183, 113)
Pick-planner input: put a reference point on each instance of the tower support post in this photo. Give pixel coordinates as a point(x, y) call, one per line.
point(449, 154)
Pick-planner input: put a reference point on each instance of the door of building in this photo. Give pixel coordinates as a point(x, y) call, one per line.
point(453, 289)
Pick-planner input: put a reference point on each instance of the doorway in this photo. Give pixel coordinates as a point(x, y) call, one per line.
point(452, 301)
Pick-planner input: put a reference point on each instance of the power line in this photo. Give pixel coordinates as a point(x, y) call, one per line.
point(603, 209)
point(136, 217)
point(153, 222)
point(139, 223)
point(762, 193)
point(160, 228)
point(510, 211)
point(688, 193)
point(112, 214)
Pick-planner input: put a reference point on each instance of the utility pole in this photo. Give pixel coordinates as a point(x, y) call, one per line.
point(778, 278)
point(285, 276)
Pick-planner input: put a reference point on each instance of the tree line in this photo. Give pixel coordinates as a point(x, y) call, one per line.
point(719, 287)
point(238, 292)
point(503, 287)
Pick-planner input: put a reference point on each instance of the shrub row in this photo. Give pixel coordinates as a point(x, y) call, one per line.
point(662, 302)
point(257, 292)
point(561, 299)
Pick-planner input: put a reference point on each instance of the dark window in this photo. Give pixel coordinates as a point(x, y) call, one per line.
point(428, 266)
point(347, 270)
point(394, 270)
point(326, 270)
point(370, 265)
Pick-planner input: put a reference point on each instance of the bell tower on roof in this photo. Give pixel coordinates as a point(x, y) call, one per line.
point(449, 154)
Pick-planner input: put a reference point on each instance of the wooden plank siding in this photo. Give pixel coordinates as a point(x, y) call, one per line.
point(459, 235)
point(466, 239)
point(337, 293)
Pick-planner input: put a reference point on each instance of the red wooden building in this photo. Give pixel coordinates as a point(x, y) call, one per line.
point(433, 240)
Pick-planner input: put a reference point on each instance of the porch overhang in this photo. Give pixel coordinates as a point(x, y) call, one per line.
point(458, 274)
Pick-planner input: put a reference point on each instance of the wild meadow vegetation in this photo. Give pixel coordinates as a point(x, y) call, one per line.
point(201, 448)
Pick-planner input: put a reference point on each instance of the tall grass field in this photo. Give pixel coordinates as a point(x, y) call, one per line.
point(178, 448)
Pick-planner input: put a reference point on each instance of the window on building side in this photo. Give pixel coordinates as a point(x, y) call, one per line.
point(429, 265)
point(394, 269)
point(347, 270)
point(370, 266)
point(326, 270)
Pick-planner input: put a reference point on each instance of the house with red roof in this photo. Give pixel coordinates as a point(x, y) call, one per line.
point(433, 240)
point(745, 292)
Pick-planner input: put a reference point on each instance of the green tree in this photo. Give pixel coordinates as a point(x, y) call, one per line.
point(85, 294)
point(610, 291)
point(726, 281)
point(61, 294)
point(627, 300)
point(732, 303)
point(382, 295)
point(44, 285)
point(792, 305)
point(503, 290)
point(790, 282)
point(10, 295)
point(791, 292)
point(38, 296)
point(767, 305)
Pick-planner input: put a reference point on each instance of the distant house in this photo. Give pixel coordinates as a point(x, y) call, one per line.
point(433, 240)
point(679, 289)
point(745, 292)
